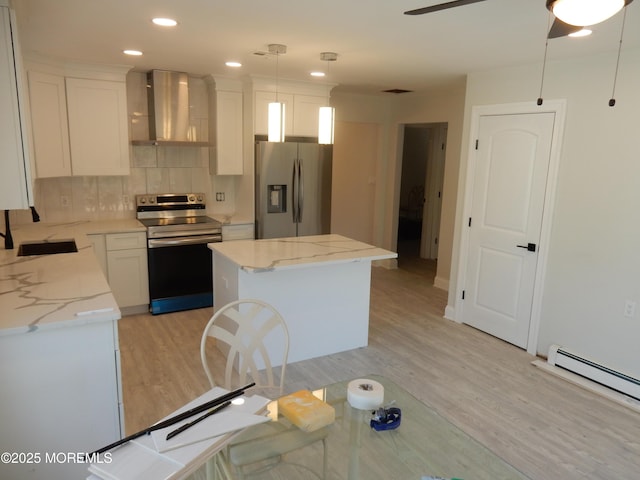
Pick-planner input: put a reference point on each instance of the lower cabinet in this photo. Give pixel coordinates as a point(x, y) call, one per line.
point(123, 258)
point(61, 394)
point(238, 231)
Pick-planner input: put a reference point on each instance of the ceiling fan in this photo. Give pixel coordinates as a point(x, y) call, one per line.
point(558, 29)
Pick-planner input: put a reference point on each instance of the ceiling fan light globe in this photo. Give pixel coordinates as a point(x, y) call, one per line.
point(585, 12)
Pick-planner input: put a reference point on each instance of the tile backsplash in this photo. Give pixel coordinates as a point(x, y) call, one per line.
point(153, 170)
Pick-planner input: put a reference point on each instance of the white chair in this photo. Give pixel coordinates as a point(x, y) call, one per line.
point(254, 342)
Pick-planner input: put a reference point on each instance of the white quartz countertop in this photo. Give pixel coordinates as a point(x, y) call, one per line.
point(53, 291)
point(296, 252)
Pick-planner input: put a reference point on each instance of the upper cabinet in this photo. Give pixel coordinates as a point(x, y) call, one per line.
point(302, 102)
point(15, 171)
point(262, 100)
point(49, 124)
point(226, 121)
point(79, 120)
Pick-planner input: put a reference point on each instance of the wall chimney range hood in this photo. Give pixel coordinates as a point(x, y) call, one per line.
point(168, 101)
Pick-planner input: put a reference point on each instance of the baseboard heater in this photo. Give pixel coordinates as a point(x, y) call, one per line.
point(620, 382)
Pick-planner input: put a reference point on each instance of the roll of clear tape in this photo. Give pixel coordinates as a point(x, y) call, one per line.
point(365, 394)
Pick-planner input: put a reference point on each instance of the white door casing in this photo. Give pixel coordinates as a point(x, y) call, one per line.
point(432, 211)
point(509, 199)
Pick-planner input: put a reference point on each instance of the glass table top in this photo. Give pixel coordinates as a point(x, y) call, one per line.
point(425, 444)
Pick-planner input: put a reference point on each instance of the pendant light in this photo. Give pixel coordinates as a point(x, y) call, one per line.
point(275, 128)
point(326, 117)
point(585, 12)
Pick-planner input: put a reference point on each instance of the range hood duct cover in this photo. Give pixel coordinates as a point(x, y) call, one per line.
point(168, 99)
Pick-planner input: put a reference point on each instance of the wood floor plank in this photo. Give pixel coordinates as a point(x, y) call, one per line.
point(544, 426)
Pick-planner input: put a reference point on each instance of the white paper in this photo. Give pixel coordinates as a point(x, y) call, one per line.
point(230, 419)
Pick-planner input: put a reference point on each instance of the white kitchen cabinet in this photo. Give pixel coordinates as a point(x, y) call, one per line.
point(99, 136)
point(99, 244)
point(79, 120)
point(15, 169)
point(49, 126)
point(127, 268)
point(306, 109)
point(261, 108)
point(301, 112)
point(66, 396)
point(239, 231)
point(226, 121)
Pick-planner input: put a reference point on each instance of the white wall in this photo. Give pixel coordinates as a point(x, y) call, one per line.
point(594, 261)
point(367, 113)
point(439, 105)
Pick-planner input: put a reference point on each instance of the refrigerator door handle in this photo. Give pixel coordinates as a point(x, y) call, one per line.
point(300, 190)
point(294, 192)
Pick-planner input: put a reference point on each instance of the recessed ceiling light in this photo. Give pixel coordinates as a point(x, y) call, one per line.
point(165, 22)
point(317, 74)
point(581, 33)
point(135, 53)
point(233, 64)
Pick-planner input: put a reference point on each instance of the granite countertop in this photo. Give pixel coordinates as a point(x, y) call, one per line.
point(54, 291)
point(256, 256)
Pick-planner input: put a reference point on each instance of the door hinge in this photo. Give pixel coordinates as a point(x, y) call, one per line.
point(469, 221)
point(435, 240)
point(443, 146)
point(463, 294)
point(477, 143)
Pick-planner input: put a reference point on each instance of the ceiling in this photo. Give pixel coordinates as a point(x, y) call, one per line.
point(378, 47)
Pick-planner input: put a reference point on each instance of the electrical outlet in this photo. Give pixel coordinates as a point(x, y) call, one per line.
point(219, 196)
point(125, 199)
point(64, 201)
point(629, 308)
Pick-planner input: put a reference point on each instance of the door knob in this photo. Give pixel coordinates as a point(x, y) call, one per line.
point(529, 246)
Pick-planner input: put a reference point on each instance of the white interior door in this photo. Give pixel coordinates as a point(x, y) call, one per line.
point(511, 166)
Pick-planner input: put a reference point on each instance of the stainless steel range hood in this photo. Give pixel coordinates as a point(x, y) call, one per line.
point(168, 99)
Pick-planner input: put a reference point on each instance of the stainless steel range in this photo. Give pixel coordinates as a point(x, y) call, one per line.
point(180, 268)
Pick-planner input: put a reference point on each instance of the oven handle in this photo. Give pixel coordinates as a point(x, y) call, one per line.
point(177, 242)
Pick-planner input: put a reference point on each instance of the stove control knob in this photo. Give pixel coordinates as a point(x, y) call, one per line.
point(200, 198)
point(143, 200)
point(152, 200)
point(192, 198)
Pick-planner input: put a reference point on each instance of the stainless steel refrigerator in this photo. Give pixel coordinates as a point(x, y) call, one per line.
point(293, 189)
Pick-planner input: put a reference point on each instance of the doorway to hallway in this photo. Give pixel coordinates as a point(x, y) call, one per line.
point(423, 155)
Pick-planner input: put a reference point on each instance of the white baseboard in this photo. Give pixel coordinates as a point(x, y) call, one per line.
point(441, 283)
point(450, 313)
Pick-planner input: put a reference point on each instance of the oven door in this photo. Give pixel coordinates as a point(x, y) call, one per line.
point(180, 273)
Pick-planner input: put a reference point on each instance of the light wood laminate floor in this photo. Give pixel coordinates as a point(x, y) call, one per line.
point(545, 427)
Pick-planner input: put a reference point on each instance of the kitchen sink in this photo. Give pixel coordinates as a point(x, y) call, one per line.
point(47, 247)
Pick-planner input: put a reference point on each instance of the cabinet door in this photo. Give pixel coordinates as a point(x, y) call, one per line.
point(243, 231)
point(228, 141)
point(49, 125)
point(307, 109)
point(261, 107)
point(128, 276)
point(100, 249)
point(15, 175)
point(99, 139)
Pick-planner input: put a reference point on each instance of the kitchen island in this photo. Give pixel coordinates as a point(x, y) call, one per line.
point(59, 353)
point(320, 284)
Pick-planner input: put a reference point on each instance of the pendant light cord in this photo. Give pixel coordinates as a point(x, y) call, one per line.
point(277, 63)
point(612, 101)
point(544, 60)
